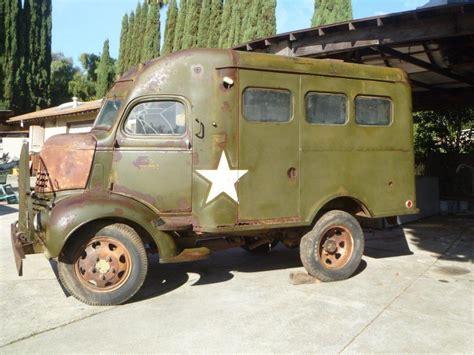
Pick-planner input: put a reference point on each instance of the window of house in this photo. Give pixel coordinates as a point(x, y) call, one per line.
point(157, 118)
point(325, 108)
point(373, 111)
point(267, 105)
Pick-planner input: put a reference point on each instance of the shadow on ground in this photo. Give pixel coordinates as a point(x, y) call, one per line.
point(435, 234)
point(7, 209)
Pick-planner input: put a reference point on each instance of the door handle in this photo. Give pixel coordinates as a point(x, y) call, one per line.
point(200, 134)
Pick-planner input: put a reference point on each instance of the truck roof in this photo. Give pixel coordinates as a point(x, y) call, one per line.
point(271, 62)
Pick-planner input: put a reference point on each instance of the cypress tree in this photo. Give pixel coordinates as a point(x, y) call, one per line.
point(267, 19)
point(214, 23)
point(135, 39)
point(179, 32)
point(152, 34)
point(11, 53)
point(142, 51)
point(21, 99)
point(225, 24)
point(2, 52)
point(234, 24)
point(104, 72)
point(123, 45)
point(191, 26)
point(331, 11)
point(171, 17)
point(204, 24)
point(128, 62)
point(243, 16)
point(39, 52)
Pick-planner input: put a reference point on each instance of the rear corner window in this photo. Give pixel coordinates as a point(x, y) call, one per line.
point(373, 111)
point(325, 108)
point(267, 105)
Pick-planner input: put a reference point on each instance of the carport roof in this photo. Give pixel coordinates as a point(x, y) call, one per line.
point(434, 45)
point(59, 111)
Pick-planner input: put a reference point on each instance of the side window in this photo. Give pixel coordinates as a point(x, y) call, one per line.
point(156, 118)
point(322, 108)
point(373, 111)
point(267, 105)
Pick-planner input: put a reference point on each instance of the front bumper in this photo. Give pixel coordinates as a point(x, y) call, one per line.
point(21, 246)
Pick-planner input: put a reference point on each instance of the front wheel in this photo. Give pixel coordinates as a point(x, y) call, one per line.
point(333, 249)
point(106, 268)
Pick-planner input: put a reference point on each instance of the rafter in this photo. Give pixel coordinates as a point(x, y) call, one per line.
point(422, 64)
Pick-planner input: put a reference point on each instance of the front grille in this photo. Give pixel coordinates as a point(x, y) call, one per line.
point(42, 180)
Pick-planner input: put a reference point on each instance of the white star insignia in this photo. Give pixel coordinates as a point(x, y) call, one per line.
point(222, 179)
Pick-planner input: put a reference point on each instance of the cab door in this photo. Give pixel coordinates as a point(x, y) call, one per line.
point(152, 160)
point(268, 146)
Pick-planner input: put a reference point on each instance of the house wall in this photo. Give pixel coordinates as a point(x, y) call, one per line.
point(12, 146)
point(61, 125)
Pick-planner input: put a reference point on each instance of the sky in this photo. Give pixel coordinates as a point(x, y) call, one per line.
point(82, 26)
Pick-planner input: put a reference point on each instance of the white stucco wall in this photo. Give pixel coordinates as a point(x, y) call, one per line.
point(60, 125)
point(12, 146)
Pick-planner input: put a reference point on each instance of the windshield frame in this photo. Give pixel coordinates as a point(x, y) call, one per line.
point(104, 110)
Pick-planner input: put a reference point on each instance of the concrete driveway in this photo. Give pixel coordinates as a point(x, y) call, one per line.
point(412, 293)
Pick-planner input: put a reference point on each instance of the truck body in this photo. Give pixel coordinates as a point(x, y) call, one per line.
point(205, 149)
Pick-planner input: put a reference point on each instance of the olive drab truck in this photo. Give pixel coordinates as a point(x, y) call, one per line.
point(207, 149)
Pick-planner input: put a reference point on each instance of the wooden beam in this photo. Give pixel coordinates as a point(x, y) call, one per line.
point(388, 34)
point(425, 65)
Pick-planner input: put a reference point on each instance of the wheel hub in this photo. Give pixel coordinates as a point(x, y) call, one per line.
point(103, 265)
point(336, 247)
point(330, 246)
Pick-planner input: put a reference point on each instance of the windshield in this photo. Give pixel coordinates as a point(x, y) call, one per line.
point(108, 113)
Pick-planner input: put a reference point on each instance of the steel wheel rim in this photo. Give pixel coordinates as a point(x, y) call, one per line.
point(103, 264)
point(335, 247)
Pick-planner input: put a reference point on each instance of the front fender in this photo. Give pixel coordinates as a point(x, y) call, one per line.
point(70, 214)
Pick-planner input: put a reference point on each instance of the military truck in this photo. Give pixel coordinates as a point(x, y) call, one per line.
point(208, 149)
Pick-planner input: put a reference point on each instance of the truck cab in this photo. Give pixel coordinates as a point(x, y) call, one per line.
point(207, 149)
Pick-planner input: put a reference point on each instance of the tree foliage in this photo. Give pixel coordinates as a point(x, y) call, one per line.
point(171, 17)
point(25, 54)
point(204, 24)
point(331, 11)
point(62, 72)
point(123, 45)
point(266, 20)
point(226, 23)
point(191, 25)
point(442, 132)
point(105, 72)
point(151, 48)
point(214, 24)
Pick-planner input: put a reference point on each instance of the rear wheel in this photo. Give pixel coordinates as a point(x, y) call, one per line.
point(333, 249)
point(105, 268)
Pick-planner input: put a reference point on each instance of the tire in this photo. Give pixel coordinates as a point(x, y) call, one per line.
point(333, 249)
point(104, 268)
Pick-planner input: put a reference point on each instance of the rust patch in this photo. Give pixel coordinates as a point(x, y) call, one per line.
point(174, 223)
point(118, 212)
point(226, 107)
point(141, 161)
point(66, 162)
